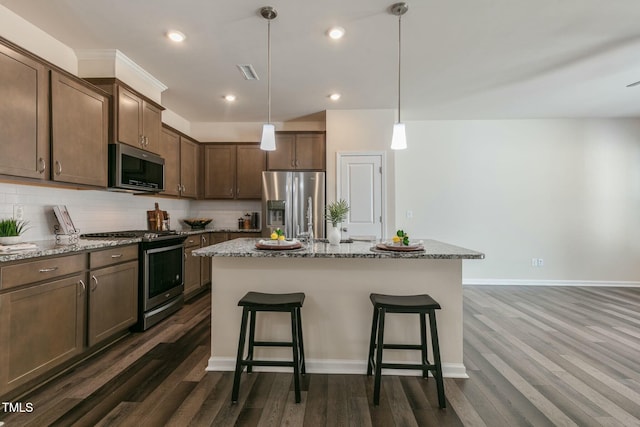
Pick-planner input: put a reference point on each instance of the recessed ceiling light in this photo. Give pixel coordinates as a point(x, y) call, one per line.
point(335, 32)
point(176, 36)
point(334, 96)
point(230, 98)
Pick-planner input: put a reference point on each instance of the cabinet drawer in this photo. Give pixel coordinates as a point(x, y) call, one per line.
point(113, 256)
point(44, 269)
point(192, 240)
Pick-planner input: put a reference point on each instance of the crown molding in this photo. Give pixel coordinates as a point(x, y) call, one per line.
point(115, 57)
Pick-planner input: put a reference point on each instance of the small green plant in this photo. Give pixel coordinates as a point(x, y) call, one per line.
point(12, 227)
point(336, 212)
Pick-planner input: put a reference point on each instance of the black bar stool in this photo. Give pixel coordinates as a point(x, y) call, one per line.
point(415, 304)
point(254, 302)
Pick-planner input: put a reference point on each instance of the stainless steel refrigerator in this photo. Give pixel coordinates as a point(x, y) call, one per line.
point(290, 199)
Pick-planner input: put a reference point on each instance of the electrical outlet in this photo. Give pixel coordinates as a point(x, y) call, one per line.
point(534, 262)
point(540, 262)
point(409, 214)
point(18, 212)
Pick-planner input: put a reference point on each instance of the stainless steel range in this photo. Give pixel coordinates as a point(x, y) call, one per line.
point(161, 277)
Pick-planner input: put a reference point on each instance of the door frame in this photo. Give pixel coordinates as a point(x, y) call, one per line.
point(383, 180)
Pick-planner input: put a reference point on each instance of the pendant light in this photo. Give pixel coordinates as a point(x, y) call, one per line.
point(399, 139)
point(268, 141)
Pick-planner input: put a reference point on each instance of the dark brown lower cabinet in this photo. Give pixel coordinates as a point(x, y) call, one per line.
point(55, 309)
point(197, 270)
point(113, 300)
point(41, 327)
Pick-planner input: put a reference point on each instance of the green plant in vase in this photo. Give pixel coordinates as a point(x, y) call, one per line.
point(11, 229)
point(336, 212)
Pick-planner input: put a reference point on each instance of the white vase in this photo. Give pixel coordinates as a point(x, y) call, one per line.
point(334, 235)
point(10, 240)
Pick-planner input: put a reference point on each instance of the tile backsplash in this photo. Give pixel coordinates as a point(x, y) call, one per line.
point(99, 210)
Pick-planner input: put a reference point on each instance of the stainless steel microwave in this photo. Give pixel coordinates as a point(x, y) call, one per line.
point(135, 170)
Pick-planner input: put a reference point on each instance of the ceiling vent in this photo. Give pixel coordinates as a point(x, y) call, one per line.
point(248, 72)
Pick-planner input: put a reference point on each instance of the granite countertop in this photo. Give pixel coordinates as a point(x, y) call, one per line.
point(50, 247)
point(245, 247)
point(189, 231)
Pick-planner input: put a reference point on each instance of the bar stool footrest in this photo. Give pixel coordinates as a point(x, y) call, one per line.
point(402, 346)
point(285, 363)
point(272, 344)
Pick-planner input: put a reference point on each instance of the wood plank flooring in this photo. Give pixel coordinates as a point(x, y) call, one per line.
point(536, 356)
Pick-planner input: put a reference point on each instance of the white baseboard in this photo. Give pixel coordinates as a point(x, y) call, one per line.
point(530, 282)
point(333, 366)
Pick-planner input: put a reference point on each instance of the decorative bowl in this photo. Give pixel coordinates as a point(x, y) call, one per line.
point(197, 223)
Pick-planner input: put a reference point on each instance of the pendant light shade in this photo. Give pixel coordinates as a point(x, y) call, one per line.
point(399, 139)
point(268, 141)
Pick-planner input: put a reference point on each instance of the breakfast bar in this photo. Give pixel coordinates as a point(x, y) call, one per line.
point(337, 312)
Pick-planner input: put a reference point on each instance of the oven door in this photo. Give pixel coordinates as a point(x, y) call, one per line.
point(163, 274)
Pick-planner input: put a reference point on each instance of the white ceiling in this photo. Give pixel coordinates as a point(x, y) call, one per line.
point(462, 59)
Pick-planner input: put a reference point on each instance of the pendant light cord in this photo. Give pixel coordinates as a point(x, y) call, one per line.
point(269, 68)
point(399, 60)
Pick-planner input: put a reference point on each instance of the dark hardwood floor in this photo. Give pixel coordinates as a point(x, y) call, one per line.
point(536, 356)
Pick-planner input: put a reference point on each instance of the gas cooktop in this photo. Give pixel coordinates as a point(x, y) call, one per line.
point(145, 235)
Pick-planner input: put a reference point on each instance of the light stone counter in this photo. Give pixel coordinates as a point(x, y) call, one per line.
point(50, 247)
point(336, 315)
point(247, 248)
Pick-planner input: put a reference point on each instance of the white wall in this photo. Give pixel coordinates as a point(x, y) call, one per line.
point(362, 130)
point(26, 35)
point(567, 191)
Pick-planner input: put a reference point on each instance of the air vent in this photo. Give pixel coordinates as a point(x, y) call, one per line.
point(248, 72)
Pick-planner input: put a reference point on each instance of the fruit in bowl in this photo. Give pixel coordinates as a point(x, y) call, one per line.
point(197, 223)
point(278, 234)
point(401, 238)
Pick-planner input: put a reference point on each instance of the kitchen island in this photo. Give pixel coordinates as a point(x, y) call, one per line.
point(336, 316)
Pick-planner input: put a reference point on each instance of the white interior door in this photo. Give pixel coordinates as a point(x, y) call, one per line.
point(360, 184)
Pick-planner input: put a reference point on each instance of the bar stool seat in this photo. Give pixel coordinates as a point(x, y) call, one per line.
point(423, 305)
point(254, 302)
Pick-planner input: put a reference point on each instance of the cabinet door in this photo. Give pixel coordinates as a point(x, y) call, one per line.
point(40, 327)
point(151, 126)
point(189, 167)
point(113, 300)
point(205, 262)
point(283, 158)
point(218, 238)
point(219, 171)
point(310, 151)
point(24, 126)
point(170, 151)
point(251, 161)
point(191, 270)
point(129, 129)
point(79, 123)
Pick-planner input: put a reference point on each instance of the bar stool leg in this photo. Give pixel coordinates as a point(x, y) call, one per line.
point(380, 345)
point(252, 336)
point(236, 377)
point(436, 359)
point(423, 344)
point(296, 360)
point(303, 365)
point(372, 341)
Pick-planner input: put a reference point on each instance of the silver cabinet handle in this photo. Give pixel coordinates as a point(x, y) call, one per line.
point(179, 187)
point(146, 141)
point(190, 241)
point(297, 162)
point(237, 191)
point(43, 165)
point(231, 191)
point(185, 256)
point(203, 239)
point(116, 256)
point(184, 188)
point(84, 287)
point(141, 140)
point(293, 163)
point(48, 270)
point(95, 279)
point(58, 167)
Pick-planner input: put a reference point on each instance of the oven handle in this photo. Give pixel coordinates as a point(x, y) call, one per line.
point(164, 249)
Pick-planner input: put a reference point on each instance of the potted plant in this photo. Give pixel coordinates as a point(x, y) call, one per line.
point(11, 230)
point(336, 212)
